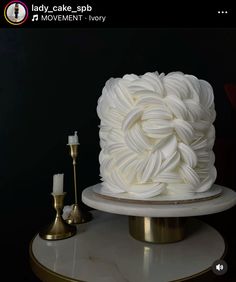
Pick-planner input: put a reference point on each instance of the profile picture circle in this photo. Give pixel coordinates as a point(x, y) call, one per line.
point(16, 12)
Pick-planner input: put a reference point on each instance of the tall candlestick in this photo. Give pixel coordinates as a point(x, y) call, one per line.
point(76, 216)
point(58, 184)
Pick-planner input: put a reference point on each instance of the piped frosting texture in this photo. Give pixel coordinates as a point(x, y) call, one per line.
point(157, 134)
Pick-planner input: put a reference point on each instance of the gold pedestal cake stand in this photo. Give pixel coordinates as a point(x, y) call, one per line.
point(160, 219)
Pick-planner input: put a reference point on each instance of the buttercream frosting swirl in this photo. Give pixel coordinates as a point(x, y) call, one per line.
point(156, 134)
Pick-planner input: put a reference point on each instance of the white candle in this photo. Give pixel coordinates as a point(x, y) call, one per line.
point(58, 184)
point(73, 139)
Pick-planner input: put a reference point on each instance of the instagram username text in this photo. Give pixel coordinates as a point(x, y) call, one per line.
point(61, 8)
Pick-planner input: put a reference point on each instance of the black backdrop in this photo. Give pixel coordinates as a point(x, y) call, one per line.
point(50, 80)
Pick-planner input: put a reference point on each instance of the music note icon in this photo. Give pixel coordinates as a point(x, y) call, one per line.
point(35, 18)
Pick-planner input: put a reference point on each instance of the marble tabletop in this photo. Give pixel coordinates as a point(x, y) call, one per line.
point(103, 251)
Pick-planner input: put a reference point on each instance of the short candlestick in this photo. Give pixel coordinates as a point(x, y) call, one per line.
point(59, 229)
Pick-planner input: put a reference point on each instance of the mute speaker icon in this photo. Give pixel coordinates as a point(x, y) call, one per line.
point(219, 267)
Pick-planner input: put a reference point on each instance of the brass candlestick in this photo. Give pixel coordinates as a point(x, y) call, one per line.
point(59, 229)
point(76, 216)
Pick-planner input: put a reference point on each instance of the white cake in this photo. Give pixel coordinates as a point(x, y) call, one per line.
point(156, 135)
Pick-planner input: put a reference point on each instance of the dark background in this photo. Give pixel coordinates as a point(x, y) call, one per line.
point(50, 81)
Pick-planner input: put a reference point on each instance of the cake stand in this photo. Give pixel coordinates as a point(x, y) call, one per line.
point(162, 219)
